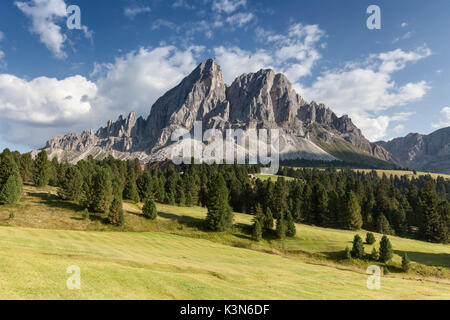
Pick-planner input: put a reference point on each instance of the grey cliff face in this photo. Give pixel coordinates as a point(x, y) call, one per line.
point(257, 100)
point(423, 152)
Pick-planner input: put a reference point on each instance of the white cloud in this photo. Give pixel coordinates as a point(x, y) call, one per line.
point(182, 4)
point(136, 80)
point(240, 19)
point(294, 53)
point(158, 23)
point(445, 119)
point(228, 6)
point(132, 12)
point(45, 100)
point(45, 16)
point(404, 25)
point(364, 91)
point(402, 116)
point(399, 129)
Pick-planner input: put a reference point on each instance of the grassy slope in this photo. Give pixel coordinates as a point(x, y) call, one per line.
point(181, 261)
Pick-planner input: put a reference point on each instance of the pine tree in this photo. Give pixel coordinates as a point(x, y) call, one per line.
point(256, 230)
point(11, 191)
point(432, 227)
point(370, 238)
point(374, 256)
point(319, 206)
point(101, 193)
point(144, 185)
point(406, 263)
point(383, 225)
point(130, 192)
point(268, 220)
point(41, 170)
point(281, 227)
point(149, 209)
point(181, 199)
point(26, 167)
point(219, 216)
point(358, 248)
point(352, 212)
point(116, 215)
point(291, 231)
point(170, 198)
point(189, 200)
point(347, 254)
point(386, 251)
point(71, 184)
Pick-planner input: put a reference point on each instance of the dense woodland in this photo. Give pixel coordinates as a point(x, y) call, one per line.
point(415, 207)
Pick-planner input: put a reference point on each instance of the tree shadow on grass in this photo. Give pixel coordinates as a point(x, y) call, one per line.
point(187, 221)
point(430, 259)
point(55, 202)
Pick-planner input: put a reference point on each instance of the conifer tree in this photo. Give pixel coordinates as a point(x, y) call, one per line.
point(149, 209)
point(144, 185)
point(189, 200)
point(219, 216)
point(386, 251)
point(256, 230)
point(347, 254)
point(170, 198)
point(291, 231)
point(374, 256)
point(26, 167)
point(370, 238)
point(101, 194)
point(41, 170)
point(130, 192)
point(11, 190)
point(116, 215)
point(358, 248)
point(406, 263)
point(281, 227)
point(352, 212)
point(181, 199)
point(431, 227)
point(268, 220)
point(71, 184)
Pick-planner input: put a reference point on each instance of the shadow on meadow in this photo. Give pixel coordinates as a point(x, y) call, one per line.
point(431, 259)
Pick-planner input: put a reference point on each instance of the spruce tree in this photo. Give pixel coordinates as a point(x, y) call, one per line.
point(130, 192)
point(144, 185)
point(256, 230)
point(189, 200)
point(41, 170)
point(386, 251)
point(11, 190)
point(149, 209)
point(383, 225)
point(291, 231)
point(347, 254)
point(181, 199)
point(26, 167)
point(101, 193)
point(358, 248)
point(71, 184)
point(406, 263)
point(370, 238)
point(268, 220)
point(352, 212)
point(374, 256)
point(432, 226)
point(281, 227)
point(219, 216)
point(116, 215)
point(170, 198)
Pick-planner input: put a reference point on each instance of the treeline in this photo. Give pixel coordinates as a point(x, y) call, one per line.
point(417, 207)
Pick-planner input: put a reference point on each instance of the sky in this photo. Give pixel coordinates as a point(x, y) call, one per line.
point(127, 53)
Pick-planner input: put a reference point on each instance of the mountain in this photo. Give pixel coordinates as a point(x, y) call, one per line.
point(422, 152)
point(256, 100)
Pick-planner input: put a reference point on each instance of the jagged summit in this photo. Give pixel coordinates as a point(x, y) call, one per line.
point(263, 99)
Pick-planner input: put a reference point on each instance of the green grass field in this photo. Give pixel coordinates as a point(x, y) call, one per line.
point(172, 258)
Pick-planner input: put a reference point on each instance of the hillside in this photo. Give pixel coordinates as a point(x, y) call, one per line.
point(422, 152)
point(173, 258)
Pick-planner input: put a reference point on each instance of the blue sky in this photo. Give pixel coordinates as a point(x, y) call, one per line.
point(54, 80)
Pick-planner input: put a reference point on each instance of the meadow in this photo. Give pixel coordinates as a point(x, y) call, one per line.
point(173, 258)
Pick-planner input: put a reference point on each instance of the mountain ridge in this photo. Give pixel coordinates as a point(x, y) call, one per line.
point(263, 99)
